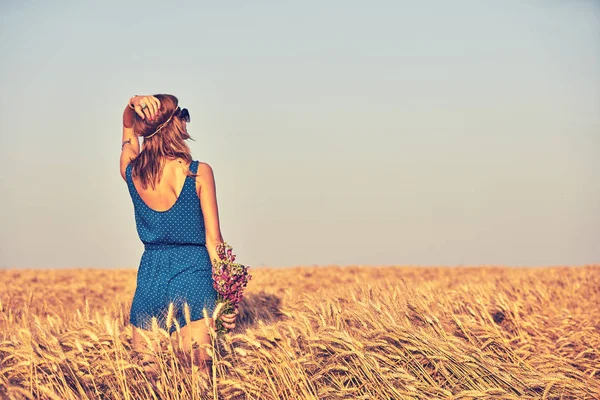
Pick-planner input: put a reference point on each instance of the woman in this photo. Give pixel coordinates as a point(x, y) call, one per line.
point(177, 219)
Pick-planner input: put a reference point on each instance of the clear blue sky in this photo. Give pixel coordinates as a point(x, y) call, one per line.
point(340, 132)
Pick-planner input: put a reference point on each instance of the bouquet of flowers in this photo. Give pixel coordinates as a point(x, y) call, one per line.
point(229, 280)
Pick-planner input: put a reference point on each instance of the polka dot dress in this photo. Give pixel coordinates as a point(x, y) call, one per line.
point(175, 266)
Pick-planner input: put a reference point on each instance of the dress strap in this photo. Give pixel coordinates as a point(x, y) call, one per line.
point(128, 172)
point(128, 177)
point(194, 167)
point(130, 185)
point(190, 181)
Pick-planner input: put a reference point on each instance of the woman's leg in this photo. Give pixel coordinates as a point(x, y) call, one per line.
point(193, 336)
point(143, 352)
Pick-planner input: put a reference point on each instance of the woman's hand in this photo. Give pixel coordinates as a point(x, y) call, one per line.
point(229, 319)
point(145, 106)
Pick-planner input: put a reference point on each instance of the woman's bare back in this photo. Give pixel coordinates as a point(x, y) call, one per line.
point(167, 190)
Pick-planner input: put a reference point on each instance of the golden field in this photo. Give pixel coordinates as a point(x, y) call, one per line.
point(318, 333)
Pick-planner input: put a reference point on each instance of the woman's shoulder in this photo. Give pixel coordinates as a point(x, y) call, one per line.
point(204, 168)
point(204, 173)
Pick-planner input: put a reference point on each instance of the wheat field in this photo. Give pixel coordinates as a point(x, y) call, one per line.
point(317, 333)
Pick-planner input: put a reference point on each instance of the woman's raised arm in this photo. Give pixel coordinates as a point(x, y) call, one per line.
point(130, 144)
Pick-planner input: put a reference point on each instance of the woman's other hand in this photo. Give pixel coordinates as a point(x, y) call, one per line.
point(145, 106)
point(229, 319)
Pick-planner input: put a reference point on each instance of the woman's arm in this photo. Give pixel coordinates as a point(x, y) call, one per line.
point(210, 209)
point(130, 143)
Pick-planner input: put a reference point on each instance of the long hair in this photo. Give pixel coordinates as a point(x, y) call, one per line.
point(167, 143)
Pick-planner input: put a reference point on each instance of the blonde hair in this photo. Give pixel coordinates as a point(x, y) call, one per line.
point(164, 138)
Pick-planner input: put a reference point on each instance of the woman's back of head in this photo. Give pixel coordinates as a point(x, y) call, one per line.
point(164, 139)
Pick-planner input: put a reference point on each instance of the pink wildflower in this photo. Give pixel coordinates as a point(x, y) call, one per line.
point(229, 280)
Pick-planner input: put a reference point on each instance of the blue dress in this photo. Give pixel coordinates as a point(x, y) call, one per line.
point(175, 266)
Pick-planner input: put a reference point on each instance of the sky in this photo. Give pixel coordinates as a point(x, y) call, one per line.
point(429, 133)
